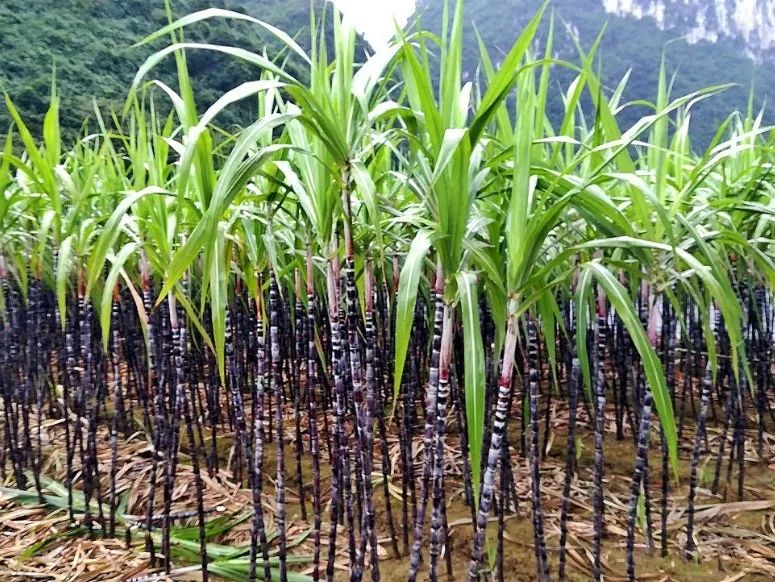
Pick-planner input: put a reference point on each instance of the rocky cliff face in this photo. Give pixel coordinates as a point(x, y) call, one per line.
point(750, 23)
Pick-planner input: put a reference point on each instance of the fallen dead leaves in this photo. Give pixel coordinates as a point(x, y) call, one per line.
point(736, 540)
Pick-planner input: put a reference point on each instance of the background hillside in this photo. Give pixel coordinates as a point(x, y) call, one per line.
point(90, 41)
point(700, 48)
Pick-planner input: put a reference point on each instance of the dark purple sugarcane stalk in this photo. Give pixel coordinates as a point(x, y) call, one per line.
point(87, 408)
point(733, 452)
point(768, 314)
point(132, 346)
point(724, 372)
point(258, 529)
point(690, 365)
point(503, 502)
point(298, 362)
point(597, 486)
point(235, 387)
point(428, 431)
point(277, 388)
point(570, 456)
point(14, 388)
point(195, 376)
point(7, 447)
point(542, 562)
point(647, 508)
point(359, 403)
point(36, 330)
point(707, 384)
point(312, 389)
point(214, 408)
point(66, 376)
point(182, 409)
point(618, 392)
point(251, 349)
point(637, 480)
point(11, 356)
point(728, 413)
point(156, 392)
point(405, 430)
point(26, 374)
point(442, 397)
point(369, 408)
point(499, 423)
point(740, 425)
point(462, 424)
point(670, 357)
point(117, 408)
point(649, 319)
point(382, 382)
point(341, 467)
point(183, 404)
point(96, 370)
point(171, 453)
point(407, 473)
point(622, 357)
point(353, 485)
point(760, 350)
point(548, 406)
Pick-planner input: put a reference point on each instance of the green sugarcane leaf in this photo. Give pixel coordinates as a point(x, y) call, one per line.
point(548, 310)
point(242, 54)
point(523, 185)
point(581, 307)
point(368, 191)
point(52, 485)
point(449, 147)
point(215, 527)
point(219, 275)
point(228, 14)
point(177, 101)
point(405, 304)
point(52, 138)
point(243, 91)
point(39, 163)
point(193, 318)
point(235, 174)
point(318, 117)
point(106, 301)
point(64, 263)
point(475, 373)
point(503, 80)
point(111, 231)
point(419, 88)
point(35, 548)
point(46, 223)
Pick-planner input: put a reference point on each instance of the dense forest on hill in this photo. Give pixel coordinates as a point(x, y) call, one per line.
point(628, 44)
point(90, 44)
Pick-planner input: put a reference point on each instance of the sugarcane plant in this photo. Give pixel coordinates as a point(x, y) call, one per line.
point(390, 262)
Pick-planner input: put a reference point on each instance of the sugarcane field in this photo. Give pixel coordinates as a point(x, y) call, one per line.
point(416, 319)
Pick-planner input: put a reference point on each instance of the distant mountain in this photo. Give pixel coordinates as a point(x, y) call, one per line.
point(706, 42)
point(90, 41)
point(749, 23)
